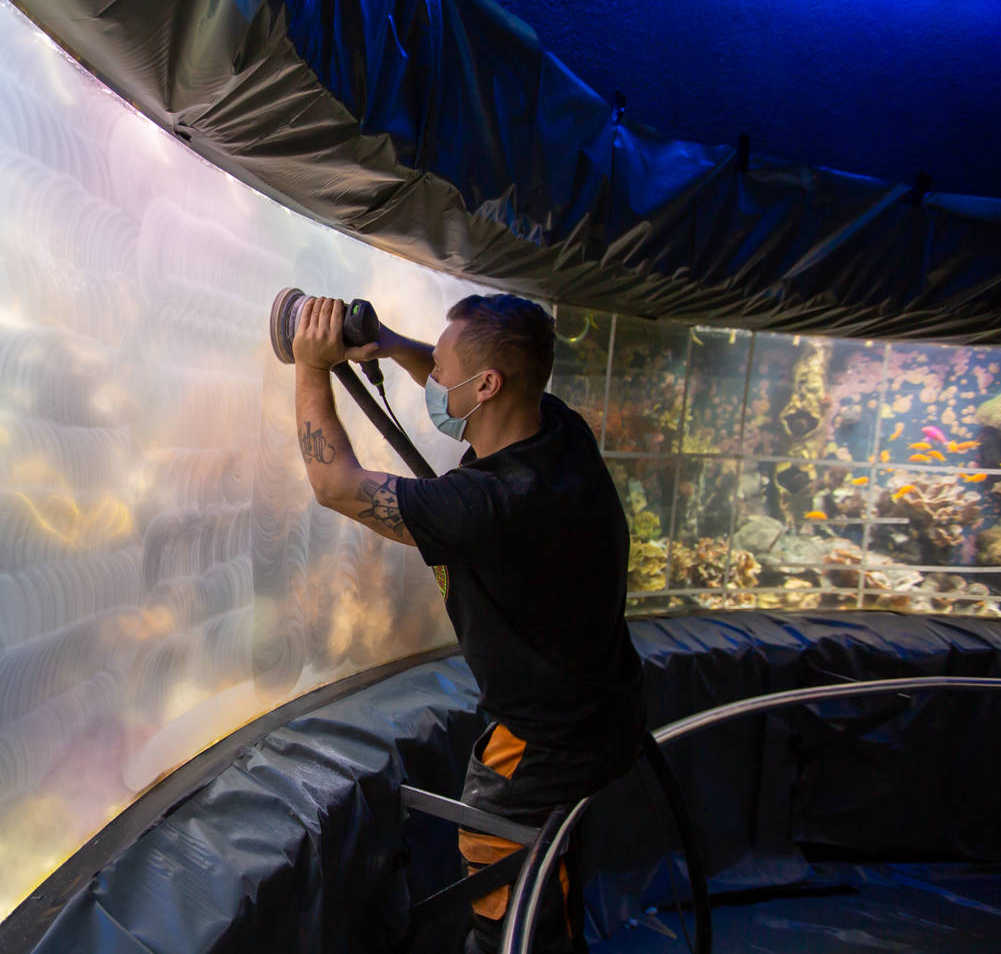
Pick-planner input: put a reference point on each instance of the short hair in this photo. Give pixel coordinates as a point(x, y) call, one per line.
point(514, 335)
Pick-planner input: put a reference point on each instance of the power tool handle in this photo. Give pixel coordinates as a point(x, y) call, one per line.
point(361, 327)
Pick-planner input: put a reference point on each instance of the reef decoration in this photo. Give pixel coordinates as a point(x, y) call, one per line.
point(937, 508)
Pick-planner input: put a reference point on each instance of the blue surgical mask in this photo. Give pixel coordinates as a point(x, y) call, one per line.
point(436, 398)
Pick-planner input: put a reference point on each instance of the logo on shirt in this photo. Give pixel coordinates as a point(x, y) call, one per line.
point(441, 578)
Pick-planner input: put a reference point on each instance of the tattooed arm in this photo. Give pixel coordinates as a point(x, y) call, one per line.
point(338, 480)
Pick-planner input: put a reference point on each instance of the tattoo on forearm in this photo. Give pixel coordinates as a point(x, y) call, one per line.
point(314, 446)
point(383, 504)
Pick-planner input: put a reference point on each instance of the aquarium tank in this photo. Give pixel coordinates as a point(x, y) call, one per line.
point(795, 472)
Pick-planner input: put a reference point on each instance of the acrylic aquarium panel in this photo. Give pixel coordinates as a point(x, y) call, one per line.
point(812, 472)
point(165, 573)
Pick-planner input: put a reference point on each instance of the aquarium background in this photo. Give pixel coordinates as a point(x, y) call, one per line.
point(166, 575)
point(793, 472)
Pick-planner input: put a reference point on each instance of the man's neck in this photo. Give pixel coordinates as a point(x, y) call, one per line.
point(495, 432)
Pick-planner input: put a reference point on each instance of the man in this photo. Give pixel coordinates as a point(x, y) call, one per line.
point(529, 546)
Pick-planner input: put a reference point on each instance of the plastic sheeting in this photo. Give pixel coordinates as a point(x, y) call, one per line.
point(299, 844)
point(443, 132)
point(842, 909)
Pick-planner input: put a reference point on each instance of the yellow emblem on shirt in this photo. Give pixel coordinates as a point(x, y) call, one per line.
point(441, 578)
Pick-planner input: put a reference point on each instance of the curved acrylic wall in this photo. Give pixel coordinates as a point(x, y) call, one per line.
point(165, 573)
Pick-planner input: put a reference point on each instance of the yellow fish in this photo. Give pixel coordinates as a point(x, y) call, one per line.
point(897, 431)
point(973, 478)
point(952, 447)
point(815, 515)
point(860, 481)
point(884, 456)
point(920, 445)
point(919, 458)
point(938, 455)
point(906, 489)
point(967, 445)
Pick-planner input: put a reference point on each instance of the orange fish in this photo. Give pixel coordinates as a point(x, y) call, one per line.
point(884, 456)
point(815, 515)
point(906, 489)
point(938, 455)
point(973, 478)
point(967, 445)
point(920, 445)
point(860, 481)
point(897, 431)
point(919, 458)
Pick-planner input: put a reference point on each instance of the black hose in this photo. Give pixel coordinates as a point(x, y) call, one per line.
point(398, 440)
point(689, 844)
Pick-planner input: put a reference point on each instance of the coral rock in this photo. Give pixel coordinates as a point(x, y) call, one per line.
point(989, 413)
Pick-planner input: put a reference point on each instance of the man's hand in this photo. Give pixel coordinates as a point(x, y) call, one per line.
point(319, 336)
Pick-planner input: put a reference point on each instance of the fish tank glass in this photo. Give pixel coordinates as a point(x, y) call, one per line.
point(166, 575)
point(796, 472)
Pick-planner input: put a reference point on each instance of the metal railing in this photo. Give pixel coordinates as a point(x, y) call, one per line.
point(538, 866)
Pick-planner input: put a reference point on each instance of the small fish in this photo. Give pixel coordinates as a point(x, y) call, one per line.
point(906, 489)
point(919, 458)
point(897, 431)
point(860, 481)
point(938, 455)
point(967, 445)
point(952, 447)
point(815, 515)
point(934, 434)
point(884, 456)
point(920, 445)
point(973, 478)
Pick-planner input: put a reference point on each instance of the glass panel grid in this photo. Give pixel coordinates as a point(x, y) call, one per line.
point(819, 473)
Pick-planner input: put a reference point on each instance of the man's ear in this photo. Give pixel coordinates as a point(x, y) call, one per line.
point(492, 382)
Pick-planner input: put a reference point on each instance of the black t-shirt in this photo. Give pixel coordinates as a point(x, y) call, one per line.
point(530, 549)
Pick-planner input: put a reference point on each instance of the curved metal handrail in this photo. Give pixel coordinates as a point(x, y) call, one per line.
point(520, 923)
point(516, 918)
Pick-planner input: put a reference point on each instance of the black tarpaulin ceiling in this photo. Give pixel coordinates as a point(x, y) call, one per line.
point(440, 130)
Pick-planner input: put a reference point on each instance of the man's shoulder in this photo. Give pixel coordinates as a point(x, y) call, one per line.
point(569, 419)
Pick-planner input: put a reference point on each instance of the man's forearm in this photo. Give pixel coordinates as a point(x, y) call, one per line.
point(330, 459)
point(414, 357)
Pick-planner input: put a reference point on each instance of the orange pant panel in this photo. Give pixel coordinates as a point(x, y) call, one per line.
point(503, 754)
point(481, 850)
point(504, 751)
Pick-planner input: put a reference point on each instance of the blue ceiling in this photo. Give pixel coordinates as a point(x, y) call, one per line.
point(885, 88)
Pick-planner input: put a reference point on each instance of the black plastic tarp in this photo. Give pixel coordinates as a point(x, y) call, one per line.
point(300, 845)
point(441, 131)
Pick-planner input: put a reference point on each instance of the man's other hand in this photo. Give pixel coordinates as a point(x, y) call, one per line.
point(319, 336)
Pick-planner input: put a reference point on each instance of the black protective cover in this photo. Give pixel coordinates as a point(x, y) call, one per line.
point(299, 844)
point(441, 131)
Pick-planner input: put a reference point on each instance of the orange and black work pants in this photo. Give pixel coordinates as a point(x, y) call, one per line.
point(523, 782)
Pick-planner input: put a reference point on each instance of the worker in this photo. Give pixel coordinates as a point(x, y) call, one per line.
point(529, 545)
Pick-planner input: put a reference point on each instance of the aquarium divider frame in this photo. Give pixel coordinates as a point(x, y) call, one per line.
point(867, 517)
point(676, 458)
point(740, 463)
point(823, 461)
point(608, 382)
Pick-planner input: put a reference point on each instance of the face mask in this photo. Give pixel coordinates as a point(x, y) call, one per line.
point(436, 398)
